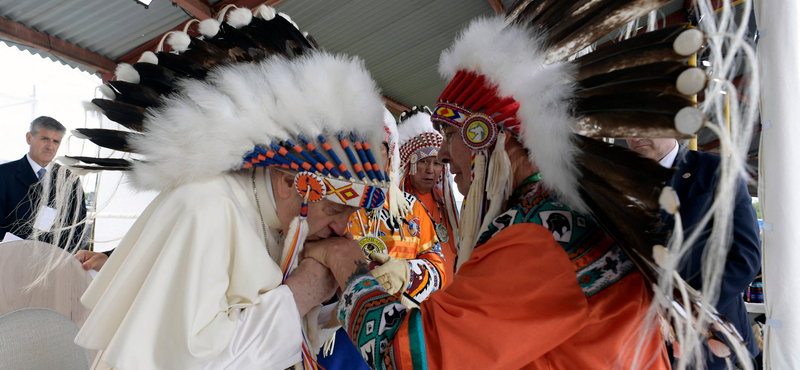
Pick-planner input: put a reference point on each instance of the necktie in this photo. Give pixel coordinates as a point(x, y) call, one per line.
point(41, 172)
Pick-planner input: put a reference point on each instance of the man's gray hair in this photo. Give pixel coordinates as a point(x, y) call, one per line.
point(47, 123)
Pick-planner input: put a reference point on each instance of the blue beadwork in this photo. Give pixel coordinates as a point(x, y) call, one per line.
point(318, 155)
point(308, 157)
point(289, 155)
point(363, 156)
point(352, 157)
point(335, 157)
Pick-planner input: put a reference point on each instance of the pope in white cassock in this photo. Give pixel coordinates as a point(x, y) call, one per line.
point(269, 148)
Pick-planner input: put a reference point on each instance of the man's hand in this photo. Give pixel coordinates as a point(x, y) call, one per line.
point(91, 260)
point(342, 255)
point(311, 284)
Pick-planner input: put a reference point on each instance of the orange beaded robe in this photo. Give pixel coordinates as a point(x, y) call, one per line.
point(413, 239)
point(544, 288)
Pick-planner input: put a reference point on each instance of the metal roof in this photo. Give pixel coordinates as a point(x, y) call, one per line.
point(110, 28)
point(399, 40)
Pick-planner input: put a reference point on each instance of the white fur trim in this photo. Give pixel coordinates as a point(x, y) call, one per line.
point(148, 57)
point(691, 81)
point(125, 72)
point(513, 58)
point(391, 123)
point(688, 42)
point(208, 28)
point(239, 17)
point(179, 41)
point(266, 13)
point(689, 120)
point(208, 126)
point(414, 126)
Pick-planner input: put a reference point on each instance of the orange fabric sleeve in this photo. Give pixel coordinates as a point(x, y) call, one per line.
point(518, 291)
point(429, 248)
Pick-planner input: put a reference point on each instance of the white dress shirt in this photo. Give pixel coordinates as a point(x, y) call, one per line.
point(36, 167)
point(669, 159)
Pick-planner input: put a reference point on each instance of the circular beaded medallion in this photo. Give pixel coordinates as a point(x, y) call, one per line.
point(309, 185)
point(479, 131)
point(370, 245)
point(442, 234)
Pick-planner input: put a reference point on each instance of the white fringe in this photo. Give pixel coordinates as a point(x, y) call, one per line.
point(471, 217)
point(725, 40)
point(498, 181)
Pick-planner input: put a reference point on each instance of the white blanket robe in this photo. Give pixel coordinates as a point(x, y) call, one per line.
point(191, 285)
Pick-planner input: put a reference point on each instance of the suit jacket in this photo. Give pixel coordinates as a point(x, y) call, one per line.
point(696, 193)
point(19, 192)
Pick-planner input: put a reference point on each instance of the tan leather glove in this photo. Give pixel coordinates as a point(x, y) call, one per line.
point(393, 273)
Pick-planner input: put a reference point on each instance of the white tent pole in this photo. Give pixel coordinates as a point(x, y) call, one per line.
point(779, 58)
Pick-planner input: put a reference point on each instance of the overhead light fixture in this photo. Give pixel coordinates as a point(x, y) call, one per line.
point(145, 3)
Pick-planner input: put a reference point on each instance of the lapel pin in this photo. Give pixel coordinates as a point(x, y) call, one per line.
point(687, 175)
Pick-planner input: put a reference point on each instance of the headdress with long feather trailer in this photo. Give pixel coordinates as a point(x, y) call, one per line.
point(252, 91)
point(508, 76)
point(419, 140)
point(398, 205)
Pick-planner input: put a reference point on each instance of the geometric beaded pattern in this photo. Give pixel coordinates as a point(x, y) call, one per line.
point(421, 145)
point(315, 157)
point(378, 316)
point(597, 259)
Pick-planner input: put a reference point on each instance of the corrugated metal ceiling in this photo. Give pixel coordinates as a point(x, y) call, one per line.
point(110, 28)
point(399, 40)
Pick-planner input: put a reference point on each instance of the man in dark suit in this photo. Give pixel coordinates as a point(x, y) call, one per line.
point(694, 183)
point(21, 186)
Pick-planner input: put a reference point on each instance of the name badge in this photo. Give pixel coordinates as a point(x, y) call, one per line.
point(45, 220)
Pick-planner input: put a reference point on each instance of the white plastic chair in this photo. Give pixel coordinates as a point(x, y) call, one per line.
point(37, 338)
point(63, 289)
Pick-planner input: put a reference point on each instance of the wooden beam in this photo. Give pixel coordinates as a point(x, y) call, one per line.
point(199, 9)
point(498, 7)
point(394, 106)
point(246, 3)
point(28, 36)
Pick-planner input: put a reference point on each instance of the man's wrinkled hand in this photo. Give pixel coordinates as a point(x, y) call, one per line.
point(393, 273)
point(326, 250)
point(342, 255)
point(91, 260)
point(311, 284)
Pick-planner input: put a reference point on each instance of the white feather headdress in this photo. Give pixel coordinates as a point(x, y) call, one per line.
point(512, 61)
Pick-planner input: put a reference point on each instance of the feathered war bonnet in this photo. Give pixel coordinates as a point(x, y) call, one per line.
point(419, 140)
point(398, 205)
point(509, 76)
point(251, 91)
